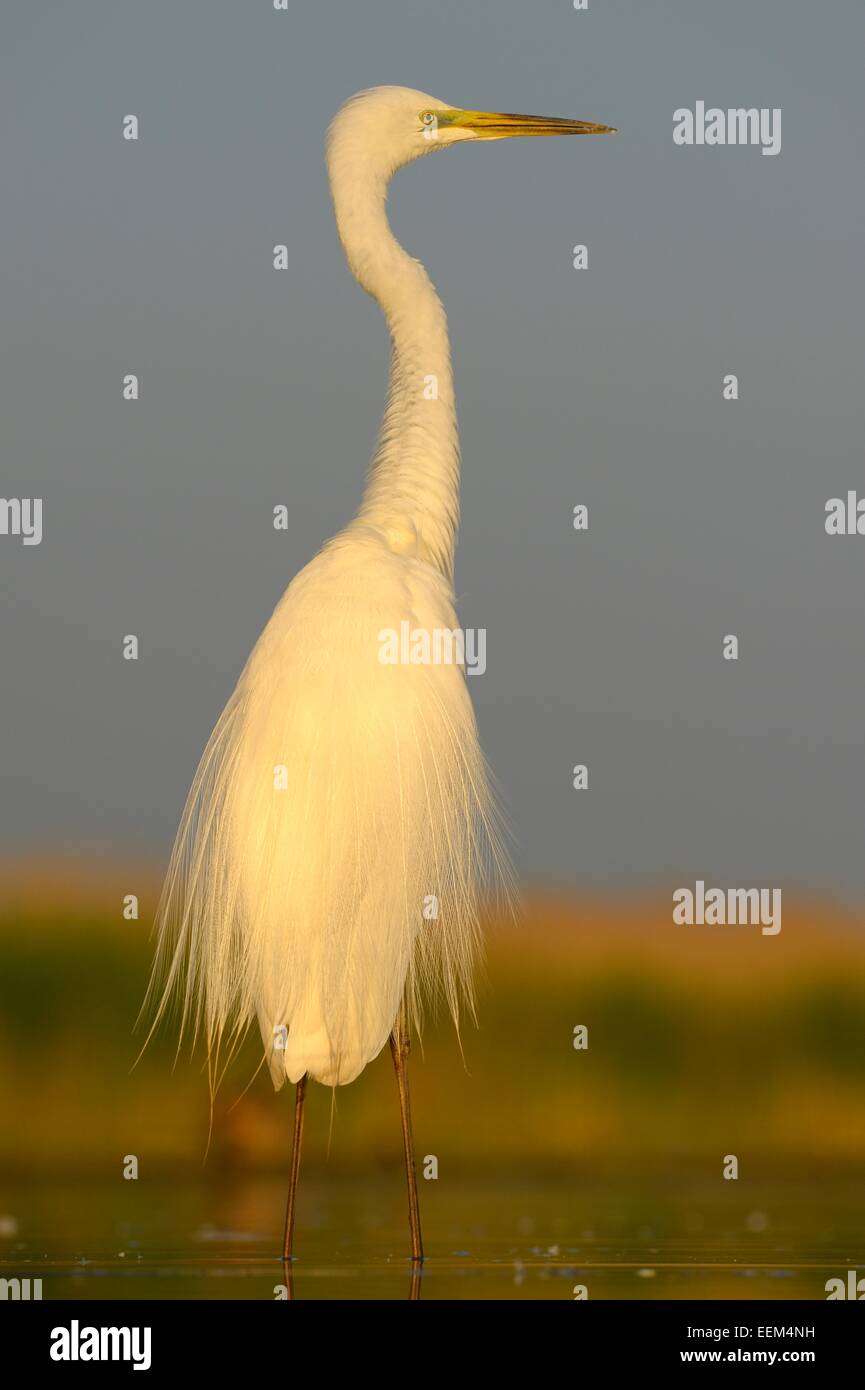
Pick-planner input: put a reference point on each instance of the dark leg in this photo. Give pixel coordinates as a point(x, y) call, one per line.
point(295, 1169)
point(399, 1048)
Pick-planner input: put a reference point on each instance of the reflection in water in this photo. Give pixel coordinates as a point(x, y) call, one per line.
point(623, 1238)
point(414, 1279)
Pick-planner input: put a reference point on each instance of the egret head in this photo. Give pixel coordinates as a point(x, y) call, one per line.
point(387, 127)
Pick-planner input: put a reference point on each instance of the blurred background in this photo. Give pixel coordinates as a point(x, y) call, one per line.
point(603, 1165)
point(701, 1042)
point(603, 387)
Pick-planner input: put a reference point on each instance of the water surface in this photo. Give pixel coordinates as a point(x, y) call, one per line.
point(508, 1239)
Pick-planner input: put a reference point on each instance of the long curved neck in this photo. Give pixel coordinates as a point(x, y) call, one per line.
point(412, 493)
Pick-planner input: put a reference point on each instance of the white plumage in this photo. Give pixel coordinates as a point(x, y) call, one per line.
point(338, 793)
point(335, 795)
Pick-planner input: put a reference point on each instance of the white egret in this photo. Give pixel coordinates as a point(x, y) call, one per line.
point(339, 792)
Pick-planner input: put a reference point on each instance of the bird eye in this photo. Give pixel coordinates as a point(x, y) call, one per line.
point(427, 117)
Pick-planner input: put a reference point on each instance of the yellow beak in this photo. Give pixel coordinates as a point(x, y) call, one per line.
point(498, 125)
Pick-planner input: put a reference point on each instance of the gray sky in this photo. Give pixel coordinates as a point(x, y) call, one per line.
point(601, 386)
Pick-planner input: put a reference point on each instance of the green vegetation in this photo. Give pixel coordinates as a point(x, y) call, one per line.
point(699, 1045)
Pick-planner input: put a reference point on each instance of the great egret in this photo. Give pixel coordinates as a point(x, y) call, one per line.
point(339, 793)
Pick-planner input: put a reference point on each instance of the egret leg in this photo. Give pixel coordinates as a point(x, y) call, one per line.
point(400, 1046)
point(295, 1169)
